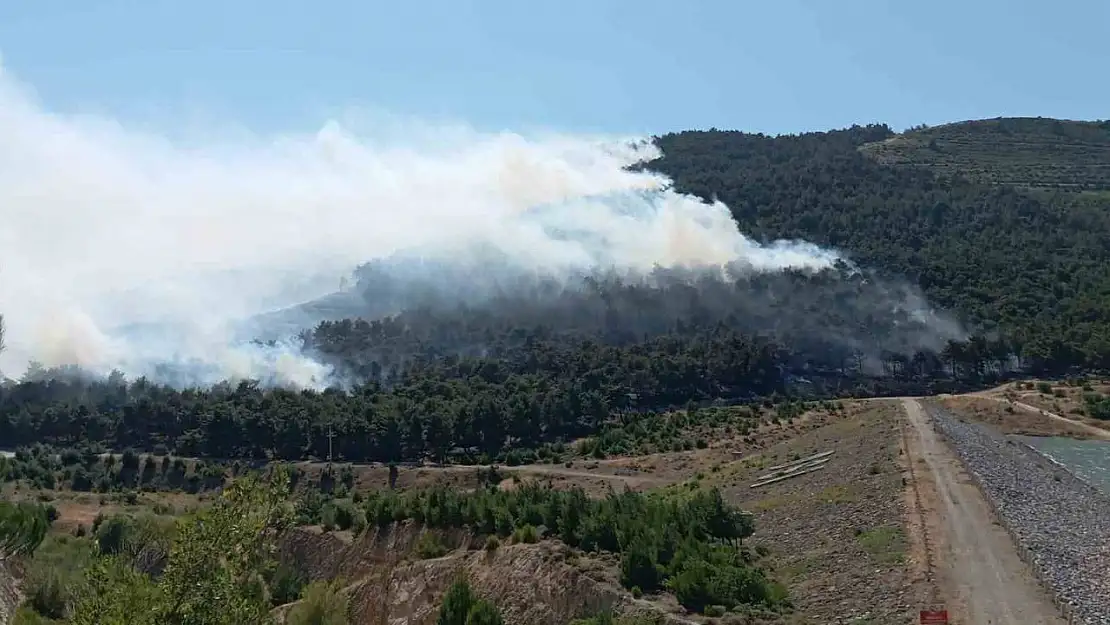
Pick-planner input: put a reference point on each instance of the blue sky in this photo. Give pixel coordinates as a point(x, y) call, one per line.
point(577, 65)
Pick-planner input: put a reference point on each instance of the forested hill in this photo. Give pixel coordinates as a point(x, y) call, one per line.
point(1033, 263)
point(497, 371)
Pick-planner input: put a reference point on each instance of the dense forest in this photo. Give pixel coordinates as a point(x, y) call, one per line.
point(1020, 278)
point(1032, 264)
point(542, 394)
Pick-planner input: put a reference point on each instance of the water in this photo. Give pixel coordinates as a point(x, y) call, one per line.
point(1089, 460)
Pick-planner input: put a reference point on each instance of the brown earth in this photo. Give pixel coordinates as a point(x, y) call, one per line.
point(662, 469)
point(542, 584)
point(1009, 419)
point(1063, 400)
point(837, 534)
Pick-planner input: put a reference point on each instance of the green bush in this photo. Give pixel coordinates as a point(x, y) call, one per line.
point(462, 607)
point(606, 618)
point(638, 567)
point(715, 575)
point(430, 546)
point(715, 610)
point(23, 527)
point(658, 536)
point(525, 534)
point(26, 615)
point(322, 603)
point(329, 516)
point(55, 575)
point(285, 584)
point(1097, 406)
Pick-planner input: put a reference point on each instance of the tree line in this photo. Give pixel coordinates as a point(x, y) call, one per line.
point(537, 397)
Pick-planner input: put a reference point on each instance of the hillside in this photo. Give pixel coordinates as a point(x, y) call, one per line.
point(1028, 152)
point(516, 371)
point(1033, 266)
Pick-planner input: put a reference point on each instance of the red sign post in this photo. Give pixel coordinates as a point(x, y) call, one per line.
point(934, 617)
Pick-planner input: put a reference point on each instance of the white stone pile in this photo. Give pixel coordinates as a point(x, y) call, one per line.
point(1061, 524)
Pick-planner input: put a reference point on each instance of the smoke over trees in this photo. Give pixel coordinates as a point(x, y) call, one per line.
point(470, 352)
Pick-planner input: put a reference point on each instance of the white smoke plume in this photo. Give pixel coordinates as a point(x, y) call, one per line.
point(123, 249)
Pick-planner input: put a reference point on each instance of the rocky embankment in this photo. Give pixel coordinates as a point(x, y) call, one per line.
point(1061, 523)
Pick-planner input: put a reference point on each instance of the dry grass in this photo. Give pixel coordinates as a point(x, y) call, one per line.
point(1010, 420)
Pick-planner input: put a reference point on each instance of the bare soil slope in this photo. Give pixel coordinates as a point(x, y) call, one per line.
point(540, 584)
point(837, 534)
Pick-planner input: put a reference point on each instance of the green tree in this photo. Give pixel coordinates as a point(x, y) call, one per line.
point(456, 604)
point(484, 613)
point(23, 526)
point(322, 603)
point(462, 607)
point(214, 573)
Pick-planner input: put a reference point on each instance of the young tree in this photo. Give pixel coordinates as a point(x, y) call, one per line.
point(214, 570)
point(322, 603)
point(456, 604)
point(462, 607)
point(484, 613)
point(22, 527)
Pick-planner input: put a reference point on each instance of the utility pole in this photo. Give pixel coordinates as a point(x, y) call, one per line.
point(331, 435)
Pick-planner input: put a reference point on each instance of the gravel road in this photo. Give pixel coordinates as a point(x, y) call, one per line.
point(1062, 523)
point(983, 577)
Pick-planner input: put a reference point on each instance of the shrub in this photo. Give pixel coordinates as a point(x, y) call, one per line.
point(462, 607)
point(55, 575)
point(492, 543)
point(525, 534)
point(345, 514)
point(430, 546)
point(285, 584)
point(322, 603)
point(114, 534)
point(638, 568)
point(329, 516)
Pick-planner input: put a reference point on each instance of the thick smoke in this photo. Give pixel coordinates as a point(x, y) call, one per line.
point(121, 249)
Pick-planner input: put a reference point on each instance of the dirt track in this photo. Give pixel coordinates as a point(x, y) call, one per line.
point(980, 573)
point(1090, 429)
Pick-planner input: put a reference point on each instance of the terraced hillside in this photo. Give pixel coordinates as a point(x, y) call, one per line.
point(1033, 264)
point(1030, 152)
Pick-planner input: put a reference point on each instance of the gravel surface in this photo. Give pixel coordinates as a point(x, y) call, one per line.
point(816, 525)
point(1062, 523)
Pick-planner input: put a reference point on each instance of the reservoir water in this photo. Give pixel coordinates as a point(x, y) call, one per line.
point(1089, 460)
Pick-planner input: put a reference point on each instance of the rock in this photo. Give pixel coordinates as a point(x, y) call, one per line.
point(1061, 523)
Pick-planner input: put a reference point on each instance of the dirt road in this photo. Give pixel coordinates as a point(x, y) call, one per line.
point(981, 576)
point(1090, 429)
point(994, 395)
